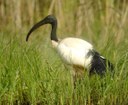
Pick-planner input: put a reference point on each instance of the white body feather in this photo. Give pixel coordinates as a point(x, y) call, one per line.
point(74, 51)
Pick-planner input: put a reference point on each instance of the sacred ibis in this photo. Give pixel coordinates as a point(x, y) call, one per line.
point(76, 52)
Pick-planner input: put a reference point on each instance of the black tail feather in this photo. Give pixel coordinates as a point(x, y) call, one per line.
point(99, 65)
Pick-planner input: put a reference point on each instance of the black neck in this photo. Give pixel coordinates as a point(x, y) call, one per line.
point(53, 32)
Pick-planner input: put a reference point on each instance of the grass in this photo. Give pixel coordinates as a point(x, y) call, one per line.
point(32, 73)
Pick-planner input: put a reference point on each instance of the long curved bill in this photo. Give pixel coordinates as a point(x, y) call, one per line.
point(37, 25)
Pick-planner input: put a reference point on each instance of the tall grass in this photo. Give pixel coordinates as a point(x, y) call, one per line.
point(33, 73)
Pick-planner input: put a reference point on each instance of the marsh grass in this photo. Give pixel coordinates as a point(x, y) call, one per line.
point(32, 73)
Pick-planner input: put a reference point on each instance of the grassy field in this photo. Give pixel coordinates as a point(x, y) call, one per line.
point(32, 73)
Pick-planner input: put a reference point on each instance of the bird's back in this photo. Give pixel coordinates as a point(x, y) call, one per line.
point(76, 43)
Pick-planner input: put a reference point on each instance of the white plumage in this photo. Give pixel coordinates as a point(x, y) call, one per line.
point(74, 51)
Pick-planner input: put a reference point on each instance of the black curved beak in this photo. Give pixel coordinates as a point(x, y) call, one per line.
point(37, 25)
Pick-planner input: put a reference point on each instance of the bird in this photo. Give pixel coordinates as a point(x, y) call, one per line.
point(75, 52)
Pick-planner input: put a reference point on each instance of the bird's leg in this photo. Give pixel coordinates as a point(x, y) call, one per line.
point(77, 74)
point(73, 79)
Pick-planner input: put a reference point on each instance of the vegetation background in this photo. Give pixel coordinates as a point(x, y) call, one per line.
point(32, 73)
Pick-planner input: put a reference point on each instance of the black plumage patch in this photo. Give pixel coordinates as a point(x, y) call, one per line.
point(99, 64)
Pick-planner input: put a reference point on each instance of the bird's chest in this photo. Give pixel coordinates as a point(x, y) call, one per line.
point(74, 56)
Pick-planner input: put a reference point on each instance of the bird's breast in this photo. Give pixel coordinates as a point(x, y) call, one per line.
point(74, 56)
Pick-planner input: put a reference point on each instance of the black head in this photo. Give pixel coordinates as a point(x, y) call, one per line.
point(50, 19)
